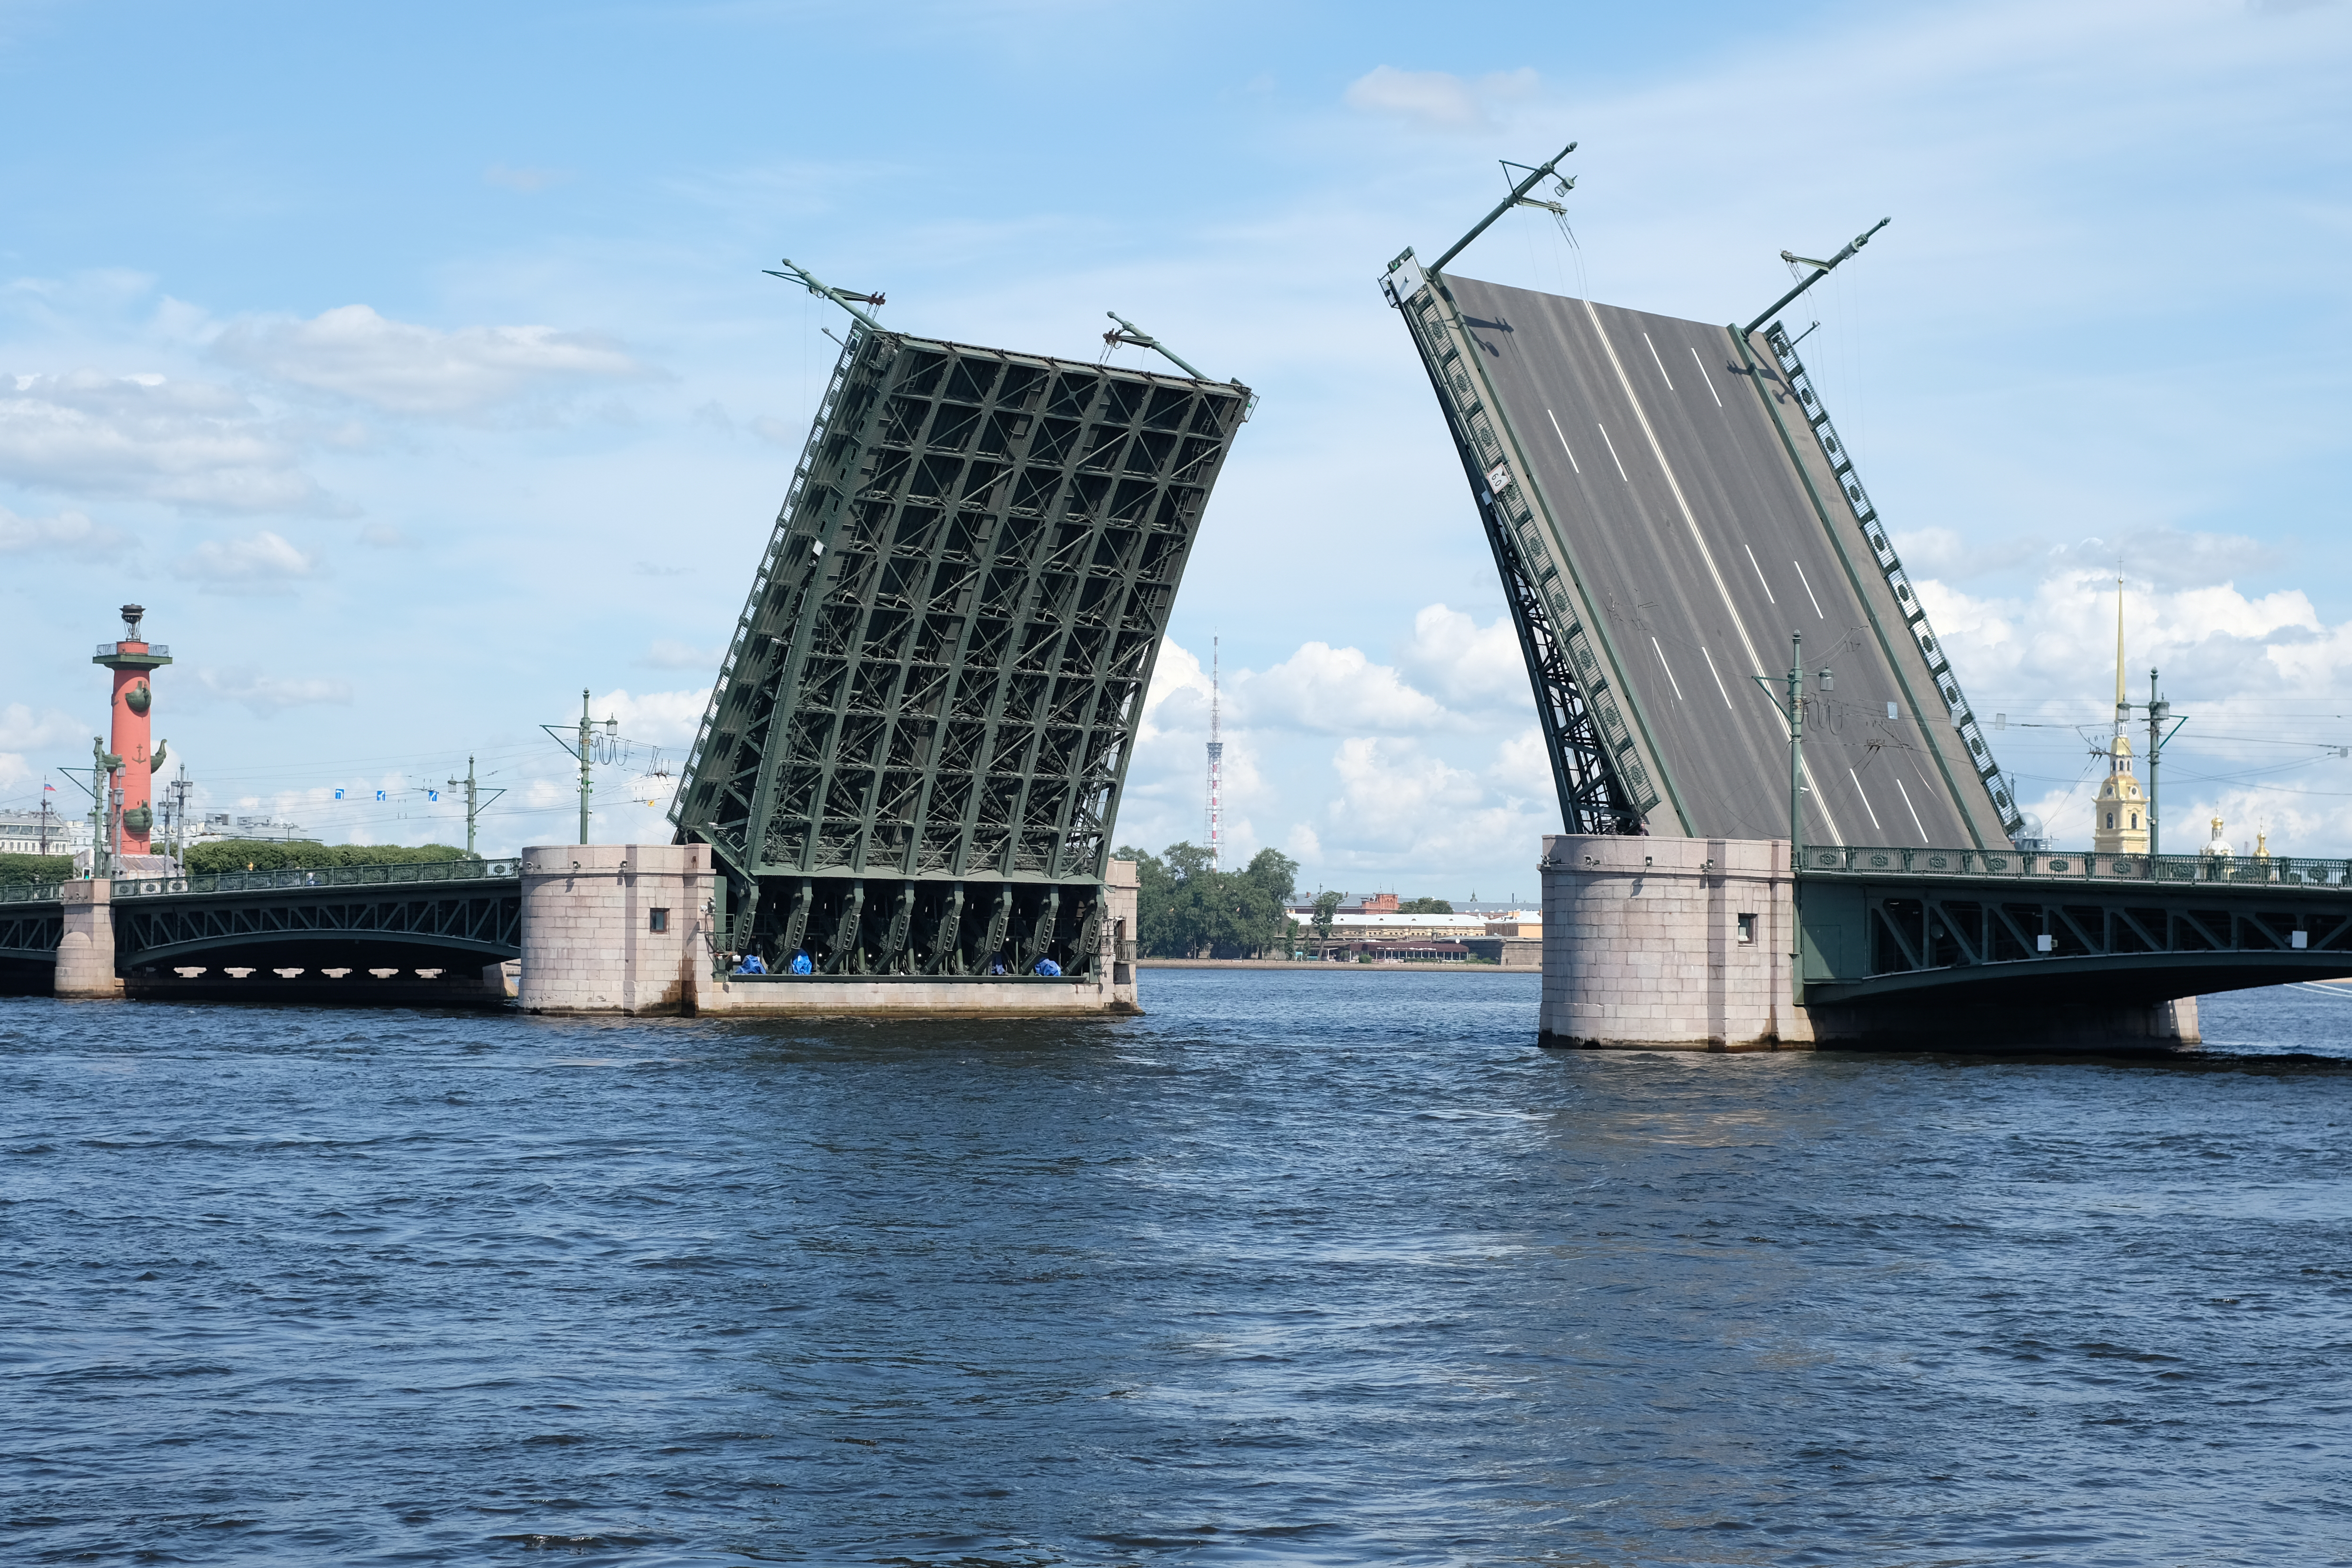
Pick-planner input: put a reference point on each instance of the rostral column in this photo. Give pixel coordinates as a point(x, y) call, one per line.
point(130, 659)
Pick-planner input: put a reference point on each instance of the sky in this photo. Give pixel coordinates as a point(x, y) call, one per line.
point(417, 372)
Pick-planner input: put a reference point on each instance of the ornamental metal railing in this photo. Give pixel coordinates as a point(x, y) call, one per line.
point(28, 893)
point(329, 876)
point(2071, 865)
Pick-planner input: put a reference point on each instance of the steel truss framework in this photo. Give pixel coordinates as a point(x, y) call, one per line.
point(1603, 785)
point(934, 686)
point(31, 932)
point(1885, 934)
point(481, 918)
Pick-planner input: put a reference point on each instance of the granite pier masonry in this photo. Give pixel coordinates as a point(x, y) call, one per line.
point(634, 929)
point(1710, 945)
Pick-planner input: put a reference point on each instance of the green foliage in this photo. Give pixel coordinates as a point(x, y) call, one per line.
point(1327, 904)
point(35, 868)
point(1184, 910)
point(278, 854)
point(1425, 907)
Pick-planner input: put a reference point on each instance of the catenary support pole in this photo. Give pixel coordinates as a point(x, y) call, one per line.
point(587, 785)
point(1796, 747)
point(1521, 189)
point(1823, 270)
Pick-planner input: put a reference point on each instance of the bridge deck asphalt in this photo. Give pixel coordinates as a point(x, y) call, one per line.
point(1684, 515)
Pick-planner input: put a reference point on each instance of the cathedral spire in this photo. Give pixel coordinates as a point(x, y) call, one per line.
point(2123, 703)
point(2119, 816)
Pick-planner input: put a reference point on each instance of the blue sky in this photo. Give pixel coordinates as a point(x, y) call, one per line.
point(417, 370)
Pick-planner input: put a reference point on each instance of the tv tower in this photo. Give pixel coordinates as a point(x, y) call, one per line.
point(1216, 767)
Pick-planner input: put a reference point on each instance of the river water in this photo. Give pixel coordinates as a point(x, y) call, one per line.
point(1299, 1268)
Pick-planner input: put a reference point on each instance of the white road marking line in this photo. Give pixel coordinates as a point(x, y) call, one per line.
point(1612, 451)
point(1564, 446)
point(1678, 685)
point(1913, 810)
point(1718, 678)
point(1659, 363)
point(1690, 520)
point(1809, 587)
point(1705, 377)
point(1866, 802)
point(1814, 789)
point(1759, 571)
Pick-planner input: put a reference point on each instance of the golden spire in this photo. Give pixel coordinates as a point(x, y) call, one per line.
point(2123, 703)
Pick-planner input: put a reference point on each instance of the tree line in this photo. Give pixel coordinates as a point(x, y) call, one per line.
point(1186, 910)
point(247, 854)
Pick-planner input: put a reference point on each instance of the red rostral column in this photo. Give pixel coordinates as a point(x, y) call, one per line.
point(130, 659)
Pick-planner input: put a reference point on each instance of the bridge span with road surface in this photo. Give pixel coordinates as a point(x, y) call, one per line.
point(1728, 662)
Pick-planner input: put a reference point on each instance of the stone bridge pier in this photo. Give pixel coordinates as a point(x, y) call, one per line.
point(1697, 945)
point(86, 953)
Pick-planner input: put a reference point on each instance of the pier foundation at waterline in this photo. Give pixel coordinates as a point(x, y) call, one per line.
point(1698, 944)
point(635, 929)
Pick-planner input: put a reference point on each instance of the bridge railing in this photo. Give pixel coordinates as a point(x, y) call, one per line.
point(330, 876)
point(28, 893)
point(2069, 865)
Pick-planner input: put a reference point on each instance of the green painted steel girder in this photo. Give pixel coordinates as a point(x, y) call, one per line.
point(939, 672)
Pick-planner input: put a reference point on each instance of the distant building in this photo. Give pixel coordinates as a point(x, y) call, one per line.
point(42, 833)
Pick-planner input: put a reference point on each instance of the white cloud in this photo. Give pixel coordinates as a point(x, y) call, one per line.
point(1439, 101)
point(1403, 809)
point(666, 654)
point(269, 696)
point(350, 351)
point(1333, 691)
point(383, 536)
point(23, 729)
point(2261, 679)
point(261, 563)
point(656, 718)
point(191, 443)
point(1176, 671)
point(1467, 665)
point(68, 534)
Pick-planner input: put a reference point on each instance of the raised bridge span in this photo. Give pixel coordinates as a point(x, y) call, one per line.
point(1669, 503)
point(1671, 511)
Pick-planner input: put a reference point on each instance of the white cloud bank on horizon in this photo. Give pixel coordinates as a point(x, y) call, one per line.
point(400, 368)
point(261, 563)
point(1440, 100)
point(267, 696)
point(186, 443)
point(68, 533)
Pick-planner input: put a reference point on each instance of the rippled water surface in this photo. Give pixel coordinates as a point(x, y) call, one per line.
point(1301, 1268)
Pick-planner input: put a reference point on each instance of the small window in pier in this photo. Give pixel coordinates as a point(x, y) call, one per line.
point(1747, 928)
point(660, 921)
